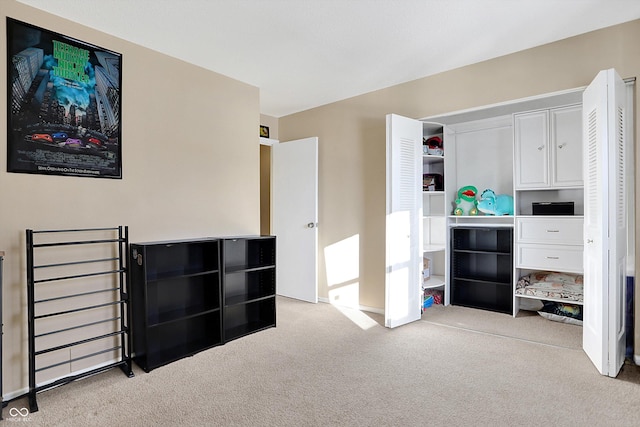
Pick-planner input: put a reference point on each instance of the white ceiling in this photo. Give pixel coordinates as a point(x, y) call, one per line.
point(306, 53)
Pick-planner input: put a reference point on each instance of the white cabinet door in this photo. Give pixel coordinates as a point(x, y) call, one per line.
point(604, 115)
point(403, 266)
point(566, 147)
point(531, 138)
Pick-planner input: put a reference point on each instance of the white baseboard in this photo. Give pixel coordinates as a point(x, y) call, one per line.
point(360, 307)
point(636, 359)
point(16, 393)
point(13, 394)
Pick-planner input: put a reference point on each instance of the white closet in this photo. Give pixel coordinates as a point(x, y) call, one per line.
point(540, 162)
point(548, 163)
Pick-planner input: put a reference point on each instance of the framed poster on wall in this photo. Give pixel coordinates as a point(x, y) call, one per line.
point(63, 105)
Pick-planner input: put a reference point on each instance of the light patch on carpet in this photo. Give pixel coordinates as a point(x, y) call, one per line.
point(358, 317)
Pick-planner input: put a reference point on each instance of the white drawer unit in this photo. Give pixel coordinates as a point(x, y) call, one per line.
point(549, 257)
point(550, 243)
point(550, 230)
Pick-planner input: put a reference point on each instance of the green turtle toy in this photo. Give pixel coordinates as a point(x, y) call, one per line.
point(466, 203)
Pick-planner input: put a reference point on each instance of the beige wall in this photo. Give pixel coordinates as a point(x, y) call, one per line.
point(272, 123)
point(190, 168)
point(352, 137)
point(265, 174)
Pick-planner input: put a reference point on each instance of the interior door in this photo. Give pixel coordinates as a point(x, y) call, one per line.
point(604, 106)
point(294, 217)
point(403, 267)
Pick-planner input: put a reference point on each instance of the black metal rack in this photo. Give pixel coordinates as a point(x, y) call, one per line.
point(59, 304)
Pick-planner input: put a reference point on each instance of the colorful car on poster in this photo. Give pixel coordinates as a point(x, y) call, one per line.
point(41, 137)
point(94, 143)
point(72, 142)
point(59, 136)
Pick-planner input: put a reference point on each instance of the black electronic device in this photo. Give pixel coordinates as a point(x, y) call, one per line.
point(552, 208)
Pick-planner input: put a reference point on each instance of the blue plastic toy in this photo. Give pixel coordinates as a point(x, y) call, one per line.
point(492, 204)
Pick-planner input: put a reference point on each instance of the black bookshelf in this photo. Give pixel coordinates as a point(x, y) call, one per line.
point(175, 298)
point(192, 295)
point(249, 271)
point(482, 268)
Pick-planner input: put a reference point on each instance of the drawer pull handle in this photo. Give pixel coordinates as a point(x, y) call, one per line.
point(553, 257)
point(553, 231)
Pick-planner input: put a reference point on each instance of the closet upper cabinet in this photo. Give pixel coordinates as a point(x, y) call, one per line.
point(548, 148)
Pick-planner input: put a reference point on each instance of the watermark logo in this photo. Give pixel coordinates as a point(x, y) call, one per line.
point(18, 414)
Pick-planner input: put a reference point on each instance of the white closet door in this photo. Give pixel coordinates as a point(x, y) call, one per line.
point(617, 221)
point(404, 213)
point(604, 222)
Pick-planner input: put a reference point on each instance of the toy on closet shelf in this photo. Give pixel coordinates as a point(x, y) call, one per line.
point(466, 203)
point(492, 204)
point(432, 146)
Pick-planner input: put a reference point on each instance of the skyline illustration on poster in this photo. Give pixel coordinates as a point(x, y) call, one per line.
point(64, 105)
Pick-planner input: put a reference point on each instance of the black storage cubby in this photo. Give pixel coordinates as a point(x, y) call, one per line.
point(180, 258)
point(482, 239)
point(249, 271)
point(243, 319)
point(191, 295)
point(249, 253)
point(243, 286)
point(482, 268)
point(174, 298)
point(170, 341)
point(176, 288)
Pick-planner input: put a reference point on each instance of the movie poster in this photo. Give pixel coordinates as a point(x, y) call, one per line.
point(64, 105)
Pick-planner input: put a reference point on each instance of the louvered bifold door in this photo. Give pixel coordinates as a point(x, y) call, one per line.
point(403, 214)
point(618, 214)
point(604, 222)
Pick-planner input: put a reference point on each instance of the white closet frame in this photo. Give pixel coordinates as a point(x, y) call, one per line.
point(401, 303)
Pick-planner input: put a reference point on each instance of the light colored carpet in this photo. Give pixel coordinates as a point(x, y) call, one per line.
point(324, 366)
point(528, 325)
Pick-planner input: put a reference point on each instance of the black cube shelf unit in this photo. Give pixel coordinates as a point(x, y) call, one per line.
point(191, 295)
point(248, 285)
point(482, 268)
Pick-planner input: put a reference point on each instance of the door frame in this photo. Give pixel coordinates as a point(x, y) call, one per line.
point(309, 294)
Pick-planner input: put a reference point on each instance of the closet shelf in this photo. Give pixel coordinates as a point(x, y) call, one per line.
point(563, 300)
point(433, 282)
